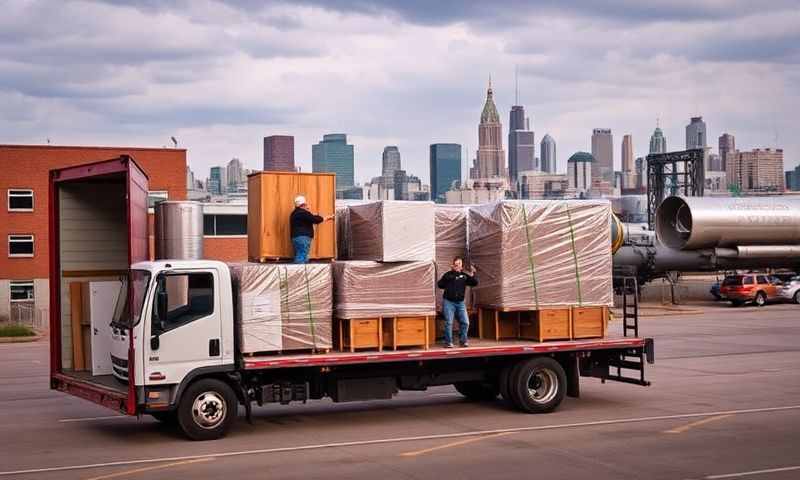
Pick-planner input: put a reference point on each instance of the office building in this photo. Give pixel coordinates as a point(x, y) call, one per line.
point(658, 142)
point(793, 179)
point(603, 155)
point(759, 170)
point(390, 162)
point(333, 154)
point(445, 169)
point(279, 153)
point(696, 134)
point(218, 181)
point(627, 179)
point(490, 159)
point(547, 151)
point(579, 172)
point(727, 143)
point(535, 185)
point(478, 191)
point(521, 144)
point(236, 176)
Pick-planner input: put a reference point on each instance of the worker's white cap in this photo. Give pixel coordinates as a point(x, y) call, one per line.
point(299, 200)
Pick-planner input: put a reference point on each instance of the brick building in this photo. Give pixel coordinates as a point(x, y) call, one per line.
point(279, 153)
point(759, 170)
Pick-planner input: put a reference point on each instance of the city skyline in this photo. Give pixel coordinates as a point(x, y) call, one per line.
point(271, 76)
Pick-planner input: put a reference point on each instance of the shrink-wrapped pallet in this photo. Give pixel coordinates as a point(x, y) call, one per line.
point(282, 307)
point(365, 289)
point(545, 253)
point(392, 231)
point(450, 223)
point(342, 232)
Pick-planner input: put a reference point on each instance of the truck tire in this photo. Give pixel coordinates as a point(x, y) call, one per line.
point(477, 391)
point(538, 385)
point(736, 303)
point(169, 417)
point(207, 409)
point(761, 299)
point(503, 382)
point(796, 296)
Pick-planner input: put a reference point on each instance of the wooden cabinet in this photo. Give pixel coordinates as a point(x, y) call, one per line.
point(589, 322)
point(270, 202)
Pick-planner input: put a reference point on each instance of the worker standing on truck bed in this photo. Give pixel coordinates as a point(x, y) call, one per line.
point(454, 283)
point(302, 223)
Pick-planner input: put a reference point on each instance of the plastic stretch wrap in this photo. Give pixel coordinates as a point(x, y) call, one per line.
point(395, 231)
point(451, 241)
point(365, 289)
point(342, 232)
point(282, 307)
point(532, 254)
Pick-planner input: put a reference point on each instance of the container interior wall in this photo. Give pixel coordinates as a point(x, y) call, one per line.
point(93, 243)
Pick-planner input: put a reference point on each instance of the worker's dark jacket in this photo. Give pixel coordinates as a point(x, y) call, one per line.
point(302, 222)
point(454, 283)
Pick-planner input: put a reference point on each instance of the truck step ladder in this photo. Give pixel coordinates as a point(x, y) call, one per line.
point(630, 306)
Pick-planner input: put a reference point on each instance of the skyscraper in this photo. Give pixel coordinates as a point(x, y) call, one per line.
point(333, 154)
point(521, 144)
point(727, 143)
point(490, 158)
point(445, 167)
point(628, 167)
point(696, 134)
point(603, 154)
point(235, 174)
point(279, 153)
point(391, 161)
point(760, 170)
point(658, 142)
point(547, 150)
point(217, 181)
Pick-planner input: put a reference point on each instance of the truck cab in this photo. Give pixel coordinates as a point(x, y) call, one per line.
point(181, 315)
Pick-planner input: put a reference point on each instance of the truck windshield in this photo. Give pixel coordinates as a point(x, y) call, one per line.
point(124, 316)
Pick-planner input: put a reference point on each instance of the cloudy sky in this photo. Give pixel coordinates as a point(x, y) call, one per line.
point(220, 75)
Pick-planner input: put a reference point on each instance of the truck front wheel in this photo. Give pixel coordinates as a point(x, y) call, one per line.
point(207, 409)
point(538, 385)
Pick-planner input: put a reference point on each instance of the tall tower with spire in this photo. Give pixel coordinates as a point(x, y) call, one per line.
point(490, 158)
point(521, 146)
point(658, 142)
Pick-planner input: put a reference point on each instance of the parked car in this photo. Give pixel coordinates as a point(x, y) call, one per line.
point(756, 288)
point(791, 289)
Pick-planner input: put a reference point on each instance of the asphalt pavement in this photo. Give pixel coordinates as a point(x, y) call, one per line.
point(724, 403)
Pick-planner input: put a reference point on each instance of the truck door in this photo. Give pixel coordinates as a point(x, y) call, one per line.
point(185, 325)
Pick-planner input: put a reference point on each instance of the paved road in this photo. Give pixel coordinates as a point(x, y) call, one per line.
point(725, 403)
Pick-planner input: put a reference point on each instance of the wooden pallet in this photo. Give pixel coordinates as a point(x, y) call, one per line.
point(589, 322)
point(539, 325)
point(356, 334)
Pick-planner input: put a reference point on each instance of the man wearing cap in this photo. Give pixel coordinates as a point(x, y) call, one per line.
point(302, 223)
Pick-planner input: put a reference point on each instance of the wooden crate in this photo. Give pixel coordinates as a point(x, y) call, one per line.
point(589, 322)
point(546, 324)
point(411, 331)
point(270, 201)
point(497, 324)
point(354, 334)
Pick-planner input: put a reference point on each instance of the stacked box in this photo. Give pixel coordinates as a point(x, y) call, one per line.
point(342, 232)
point(364, 289)
point(282, 307)
point(395, 231)
point(450, 225)
point(535, 254)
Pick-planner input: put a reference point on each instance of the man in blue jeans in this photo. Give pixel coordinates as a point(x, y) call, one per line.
point(302, 223)
point(454, 283)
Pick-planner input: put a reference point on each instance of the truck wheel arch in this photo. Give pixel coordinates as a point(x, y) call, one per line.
point(217, 372)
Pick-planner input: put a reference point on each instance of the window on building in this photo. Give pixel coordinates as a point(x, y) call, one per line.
point(224, 225)
point(156, 196)
point(20, 245)
point(20, 200)
point(22, 291)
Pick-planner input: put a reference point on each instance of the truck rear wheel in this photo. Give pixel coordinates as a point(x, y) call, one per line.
point(504, 381)
point(207, 409)
point(477, 391)
point(538, 385)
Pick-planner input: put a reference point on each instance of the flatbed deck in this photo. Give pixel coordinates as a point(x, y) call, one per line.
point(477, 348)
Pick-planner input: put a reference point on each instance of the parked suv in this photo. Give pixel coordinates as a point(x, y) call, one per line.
point(791, 289)
point(756, 288)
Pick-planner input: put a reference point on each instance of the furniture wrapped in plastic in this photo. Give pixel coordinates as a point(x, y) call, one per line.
point(366, 289)
point(450, 222)
point(541, 253)
point(392, 231)
point(282, 307)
